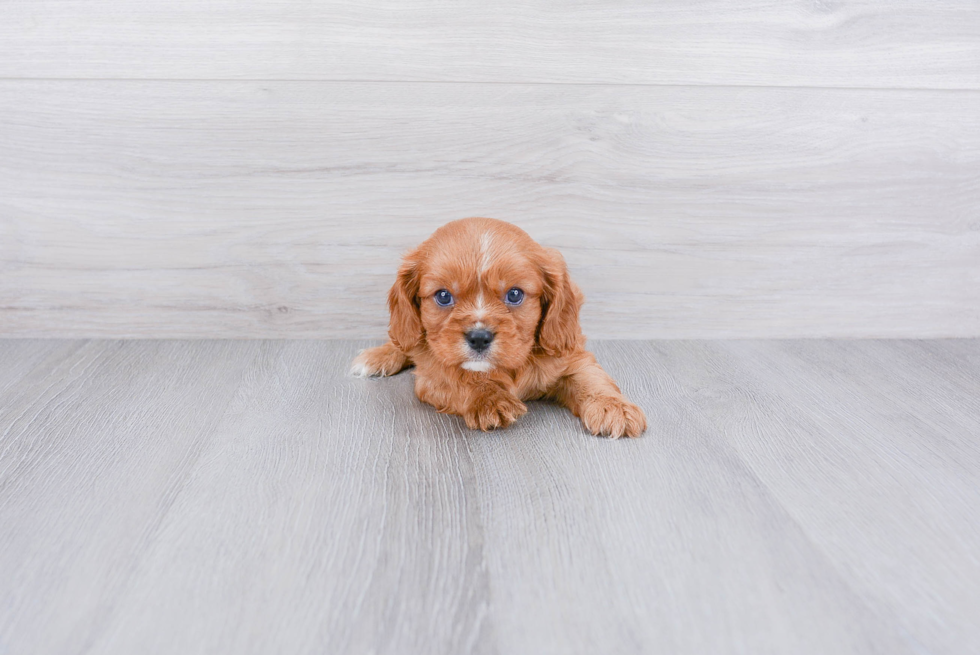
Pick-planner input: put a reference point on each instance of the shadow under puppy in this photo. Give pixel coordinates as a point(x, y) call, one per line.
point(489, 318)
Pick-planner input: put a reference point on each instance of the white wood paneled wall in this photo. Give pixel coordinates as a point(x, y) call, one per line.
point(255, 169)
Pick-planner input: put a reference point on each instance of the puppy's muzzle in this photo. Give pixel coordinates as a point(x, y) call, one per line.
point(479, 340)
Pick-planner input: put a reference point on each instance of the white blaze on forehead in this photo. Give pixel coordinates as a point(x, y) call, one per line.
point(486, 243)
point(481, 309)
point(480, 366)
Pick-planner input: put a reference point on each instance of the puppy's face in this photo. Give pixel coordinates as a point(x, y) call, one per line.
point(480, 294)
point(480, 302)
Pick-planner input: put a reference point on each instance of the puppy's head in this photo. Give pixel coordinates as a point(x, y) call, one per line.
point(481, 294)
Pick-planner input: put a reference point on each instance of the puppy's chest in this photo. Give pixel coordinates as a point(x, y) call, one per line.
point(537, 381)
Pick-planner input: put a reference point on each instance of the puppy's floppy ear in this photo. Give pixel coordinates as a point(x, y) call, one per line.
point(405, 328)
point(559, 331)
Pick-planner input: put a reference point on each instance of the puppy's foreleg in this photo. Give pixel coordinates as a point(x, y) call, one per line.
point(484, 404)
point(380, 361)
point(492, 406)
point(594, 397)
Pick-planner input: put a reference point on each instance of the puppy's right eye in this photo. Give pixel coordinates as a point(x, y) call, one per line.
point(443, 298)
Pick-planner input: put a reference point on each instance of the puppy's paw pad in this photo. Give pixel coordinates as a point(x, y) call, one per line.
point(613, 417)
point(497, 411)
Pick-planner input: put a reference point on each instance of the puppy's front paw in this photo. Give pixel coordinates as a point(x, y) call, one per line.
point(378, 362)
point(491, 410)
point(612, 416)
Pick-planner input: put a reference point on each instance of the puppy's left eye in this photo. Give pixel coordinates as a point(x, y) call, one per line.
point(514, 297)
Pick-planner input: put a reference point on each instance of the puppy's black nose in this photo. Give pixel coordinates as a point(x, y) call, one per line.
point(479, 340)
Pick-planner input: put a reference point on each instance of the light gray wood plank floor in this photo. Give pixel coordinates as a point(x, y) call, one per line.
point(248, 497)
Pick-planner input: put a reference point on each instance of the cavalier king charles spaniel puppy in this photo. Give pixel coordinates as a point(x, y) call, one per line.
point(489, 319)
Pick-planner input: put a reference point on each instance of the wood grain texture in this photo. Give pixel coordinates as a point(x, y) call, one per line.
point(854, 43)
point(247, 497)
point(871, 454)
point(261, 209)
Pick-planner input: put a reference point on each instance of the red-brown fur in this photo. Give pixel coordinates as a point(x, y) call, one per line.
point(538, 350)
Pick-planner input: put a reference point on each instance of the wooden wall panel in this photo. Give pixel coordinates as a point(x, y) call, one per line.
point(851, 43)
point(279, 209)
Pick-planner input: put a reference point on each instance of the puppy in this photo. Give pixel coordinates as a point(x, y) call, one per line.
point(489, 318)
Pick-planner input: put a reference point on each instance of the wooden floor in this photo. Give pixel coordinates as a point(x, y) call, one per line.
point(249, 497)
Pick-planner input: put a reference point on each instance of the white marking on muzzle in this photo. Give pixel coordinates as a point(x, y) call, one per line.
point(479, 366)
